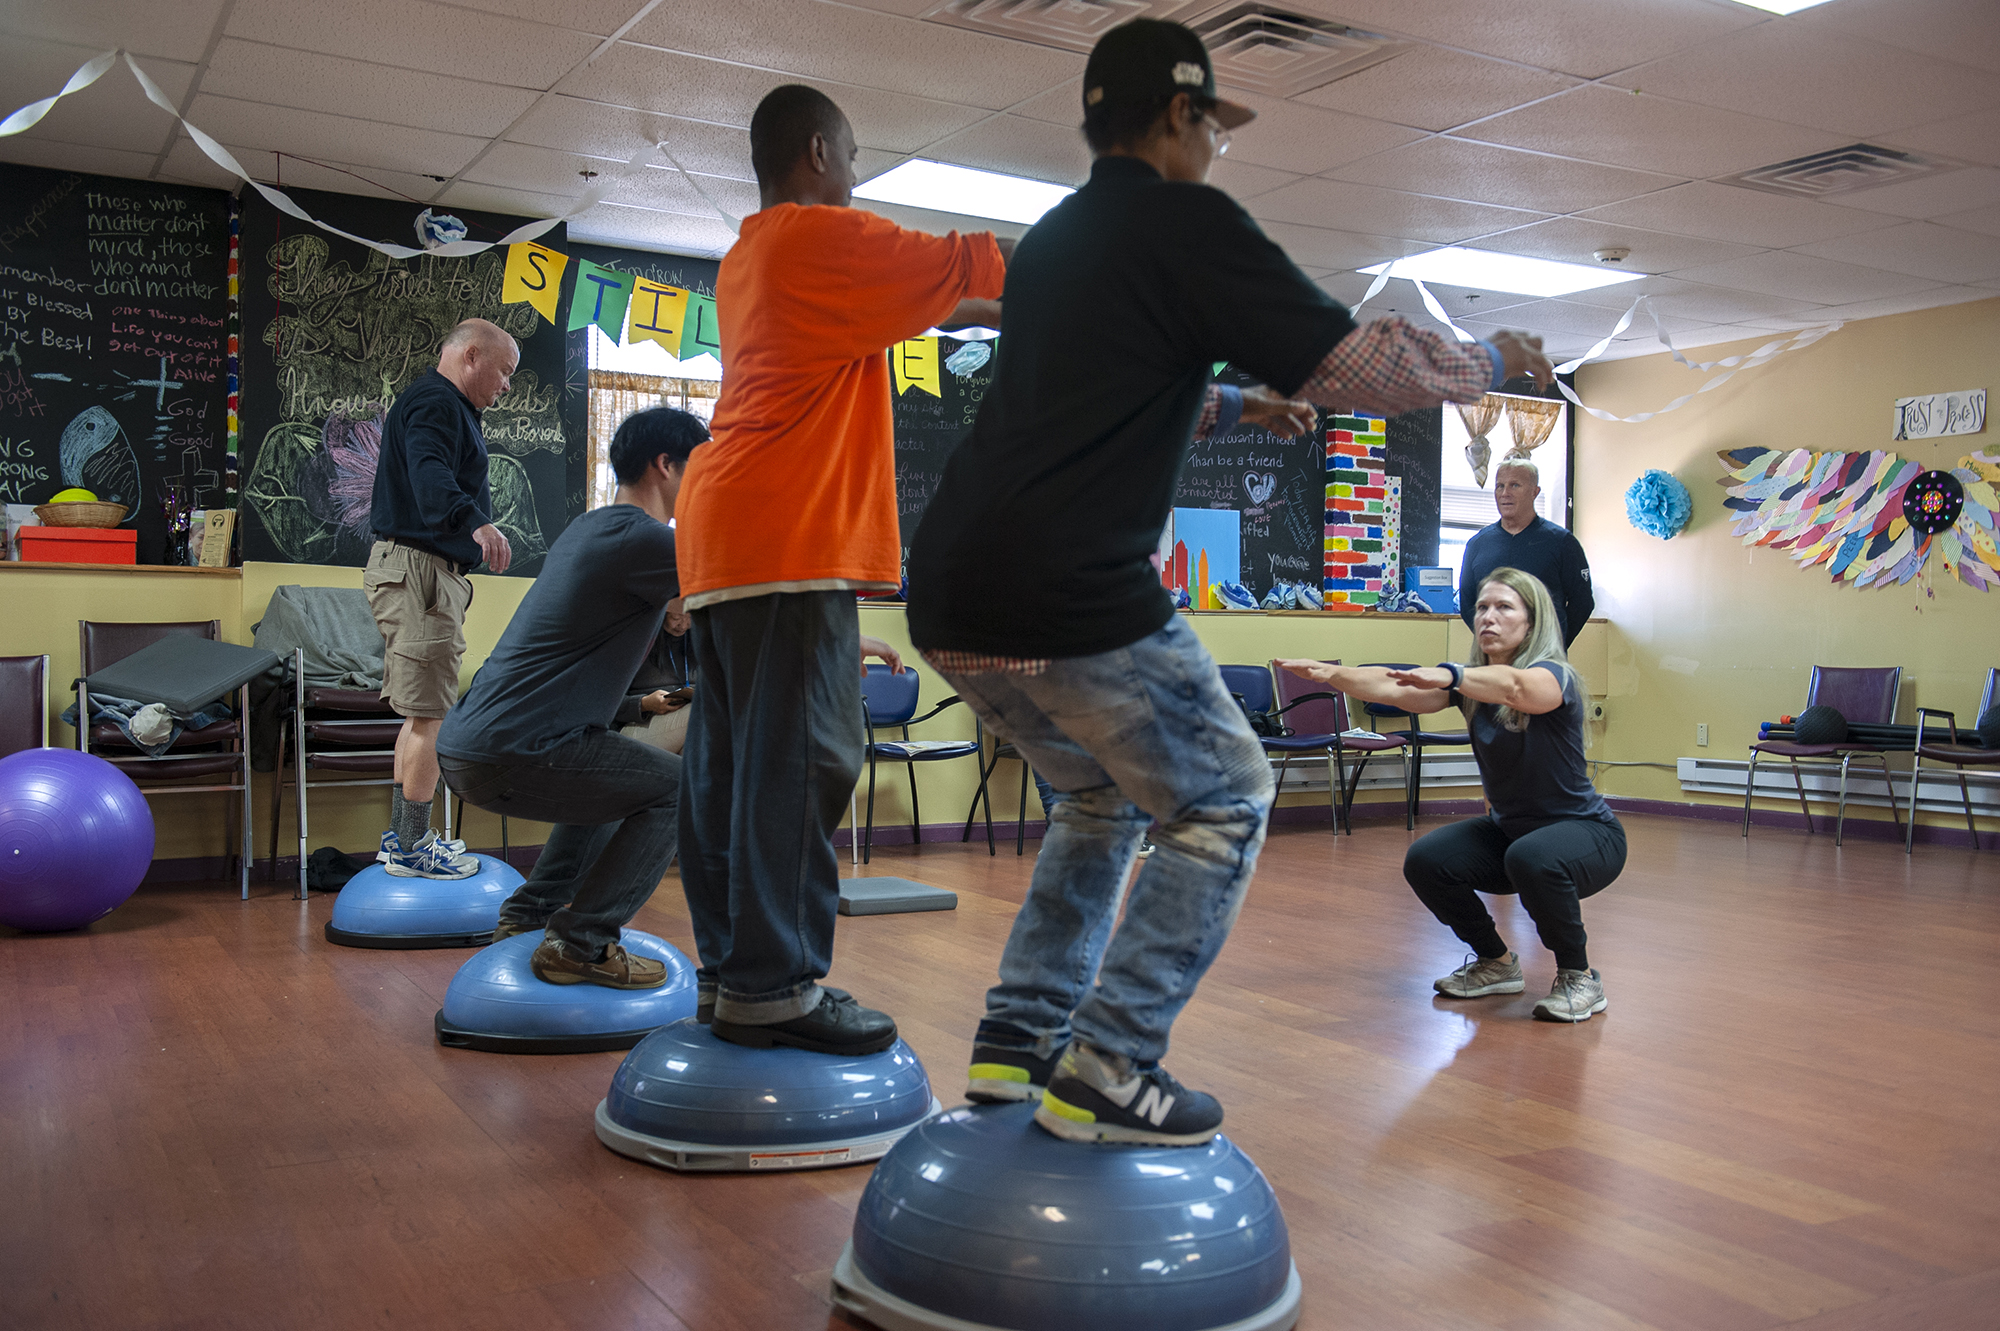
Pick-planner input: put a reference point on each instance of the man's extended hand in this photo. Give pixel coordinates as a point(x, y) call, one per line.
point(881, 651)
point(1521, 354)
point(493, 546)
point(1280, 415)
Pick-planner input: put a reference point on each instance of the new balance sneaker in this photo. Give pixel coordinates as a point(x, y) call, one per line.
point(618, 969)
point(1001, 1075)
point(392, 846)
point(1097, 1097)
point(839, 1025)
point(1577, 996)
point(432, 859)
point(1480, 976)
point(1146, 847)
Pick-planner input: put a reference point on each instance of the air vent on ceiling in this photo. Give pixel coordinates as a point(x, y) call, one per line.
point(1857, 166)
point(1281, 54)
point(1074, 25)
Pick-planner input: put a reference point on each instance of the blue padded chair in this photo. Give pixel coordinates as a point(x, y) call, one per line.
point(890, 701)
point(1319, 722)
point(1960, 755)
point(1418, 740)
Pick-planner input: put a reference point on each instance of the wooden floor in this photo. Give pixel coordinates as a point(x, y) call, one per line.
point(209, 1117)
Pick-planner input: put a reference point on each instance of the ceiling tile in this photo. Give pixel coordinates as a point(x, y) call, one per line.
point(1577, 239)
point(655, 80)
point(280, 77)
point(925, 219)
point(1922, 249)
point(1752, 217)
point(1958, 30)
point(174, 29)
point(110, 113)
point(1060, 105)
point(549, 172)
point(1461, 303)
point(416, 191)
point(1712, 339)
point(1582, 37)
point(1307, 140)
point(1803, 277)
point(1435, 88)
point(1929, 299)
point(641, 228)
point(189, 165)
point(1347, 288)
point(618, 132)
point(599, 17)
point(1240, 180)
point(416, 34)
point(1318, 247)
point(508, 202)
point(1986, 221)
point(862, 48)
point(1460, 169)
point(55, 156)
point(1654, 133)
point(1786, 71)
point(1974, 137)
point(1560, 317)
point(1931, 196)
point(333, 138)
point(1018, 146)
point(1677, 298)
point(1379, 212)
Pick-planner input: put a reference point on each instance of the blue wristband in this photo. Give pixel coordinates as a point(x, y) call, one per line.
point(1229, 411)
point(1457, 674)
point(1499, 366)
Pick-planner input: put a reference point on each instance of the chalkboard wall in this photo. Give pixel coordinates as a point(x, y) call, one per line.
point(113, 346)
point(332, 331)
point(1279, 486)
point(929, 428)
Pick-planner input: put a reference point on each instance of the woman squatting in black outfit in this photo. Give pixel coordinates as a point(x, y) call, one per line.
point(1549, 837)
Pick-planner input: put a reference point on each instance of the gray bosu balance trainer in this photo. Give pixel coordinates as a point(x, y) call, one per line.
point(185, 673)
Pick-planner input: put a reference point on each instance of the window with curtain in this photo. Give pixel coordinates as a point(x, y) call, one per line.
point(616, 394)
point(1512, 425)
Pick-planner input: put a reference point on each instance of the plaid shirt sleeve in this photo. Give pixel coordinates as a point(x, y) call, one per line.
point(1392, 366)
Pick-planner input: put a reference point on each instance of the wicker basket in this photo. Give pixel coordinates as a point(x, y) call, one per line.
point(89, 513)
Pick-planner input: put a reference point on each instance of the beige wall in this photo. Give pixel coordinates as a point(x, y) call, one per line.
point(1705, 630)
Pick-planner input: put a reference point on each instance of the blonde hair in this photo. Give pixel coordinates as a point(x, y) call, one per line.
point(1544, 641)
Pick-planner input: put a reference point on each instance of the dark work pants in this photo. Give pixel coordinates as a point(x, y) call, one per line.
point(1552, 868)
point(615, 806)
point(773, 750)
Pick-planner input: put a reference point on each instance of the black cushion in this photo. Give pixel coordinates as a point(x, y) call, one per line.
point(1820, 725)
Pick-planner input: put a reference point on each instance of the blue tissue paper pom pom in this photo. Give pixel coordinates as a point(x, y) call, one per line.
point(1658, 504)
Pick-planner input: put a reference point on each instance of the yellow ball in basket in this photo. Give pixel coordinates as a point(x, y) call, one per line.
point(74, 495)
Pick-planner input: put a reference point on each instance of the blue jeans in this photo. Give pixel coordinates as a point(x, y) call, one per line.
point(1143, 734)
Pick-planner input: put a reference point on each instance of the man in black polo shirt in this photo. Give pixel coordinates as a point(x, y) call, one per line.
point(1525, 540)
point(432, 516)
point(1032, 588)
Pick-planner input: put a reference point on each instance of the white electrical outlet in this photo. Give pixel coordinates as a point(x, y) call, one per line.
point(1701, 735)
point(1597, 711)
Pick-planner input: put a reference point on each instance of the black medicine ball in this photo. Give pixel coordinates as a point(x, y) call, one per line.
point(1989, 728)
point(1820, 725)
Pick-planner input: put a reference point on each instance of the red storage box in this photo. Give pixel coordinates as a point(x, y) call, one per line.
point(79, 545)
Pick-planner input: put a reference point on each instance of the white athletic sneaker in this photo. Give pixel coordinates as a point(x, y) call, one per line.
point(1479, 977)
point(432, 858)
point(1577, 995)
point(392, 845)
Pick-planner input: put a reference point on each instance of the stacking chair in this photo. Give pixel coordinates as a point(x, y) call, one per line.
point(1001, 752)
point(1865, 696)
point(349, 732)
point(890, 701)
point(24, 703)
point(1417, 738)
point(1960, 756)
point(1319, 723)
point(212, 751)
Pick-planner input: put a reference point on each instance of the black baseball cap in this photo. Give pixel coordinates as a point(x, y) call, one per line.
point(1148, 59)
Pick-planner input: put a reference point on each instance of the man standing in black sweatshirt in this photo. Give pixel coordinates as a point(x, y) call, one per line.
point(433, 524)
point(1525, 540)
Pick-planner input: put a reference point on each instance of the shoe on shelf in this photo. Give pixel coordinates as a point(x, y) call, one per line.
point(392, 846)
point(1480, 976)
point(1095, 1097)
point(839, 1025)
point(619, 969)
point(432, 859)
point(1001, 1075)
point(1576, 996)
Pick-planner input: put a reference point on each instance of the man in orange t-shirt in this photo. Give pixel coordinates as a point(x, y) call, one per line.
point(782, 521)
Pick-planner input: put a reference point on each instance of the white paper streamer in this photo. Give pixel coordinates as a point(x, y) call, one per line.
point(27, 116)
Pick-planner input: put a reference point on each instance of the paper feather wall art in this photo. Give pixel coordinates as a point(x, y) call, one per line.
point(1873, 518)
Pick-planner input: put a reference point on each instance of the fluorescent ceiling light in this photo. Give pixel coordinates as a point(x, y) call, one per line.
point(1781, 6)
point(1488, 270)
point(960, 189)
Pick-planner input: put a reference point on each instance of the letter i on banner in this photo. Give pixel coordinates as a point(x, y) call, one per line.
point(600, 298)
point(659, 313)
point(533, 274)
point(916, 364)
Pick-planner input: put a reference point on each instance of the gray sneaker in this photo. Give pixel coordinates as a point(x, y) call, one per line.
point(1575, 997)
point(1479, 977)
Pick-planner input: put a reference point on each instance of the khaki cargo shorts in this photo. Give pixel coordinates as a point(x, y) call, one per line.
point(419, 602)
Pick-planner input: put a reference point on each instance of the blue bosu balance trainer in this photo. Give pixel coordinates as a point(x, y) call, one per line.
point(496, 1003)
point(685, 1100)
point(980, 1221)
point(378, 909)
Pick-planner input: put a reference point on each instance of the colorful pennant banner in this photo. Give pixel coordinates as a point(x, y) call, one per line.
point(916, 366)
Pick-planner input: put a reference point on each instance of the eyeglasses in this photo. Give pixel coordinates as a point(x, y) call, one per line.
point(1215, 128)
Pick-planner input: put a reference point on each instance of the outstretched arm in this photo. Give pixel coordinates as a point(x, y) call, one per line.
point(1372, 684)
point(1533, 691)
point(1392, 366)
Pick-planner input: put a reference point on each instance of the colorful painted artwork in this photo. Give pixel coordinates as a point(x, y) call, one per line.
point(1201, 549)
point(1356, 512)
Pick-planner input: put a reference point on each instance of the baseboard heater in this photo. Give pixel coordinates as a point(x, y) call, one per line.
point(1384, 772)
point(1937, 794)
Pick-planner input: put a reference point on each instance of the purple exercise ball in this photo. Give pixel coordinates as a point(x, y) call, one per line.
point(76, 837)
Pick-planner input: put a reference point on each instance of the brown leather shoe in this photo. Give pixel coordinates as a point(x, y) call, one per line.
point(508, 928)
point(619, 969)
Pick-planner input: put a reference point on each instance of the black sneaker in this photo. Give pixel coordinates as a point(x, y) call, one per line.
point(839, 1025)
point(1001, 1075)
point(1093, 1097)
point(704, 1002)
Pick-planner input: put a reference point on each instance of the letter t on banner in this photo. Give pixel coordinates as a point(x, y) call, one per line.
point(533, 274)
point(916, 364)
point(659, 313)
point(600, 298)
